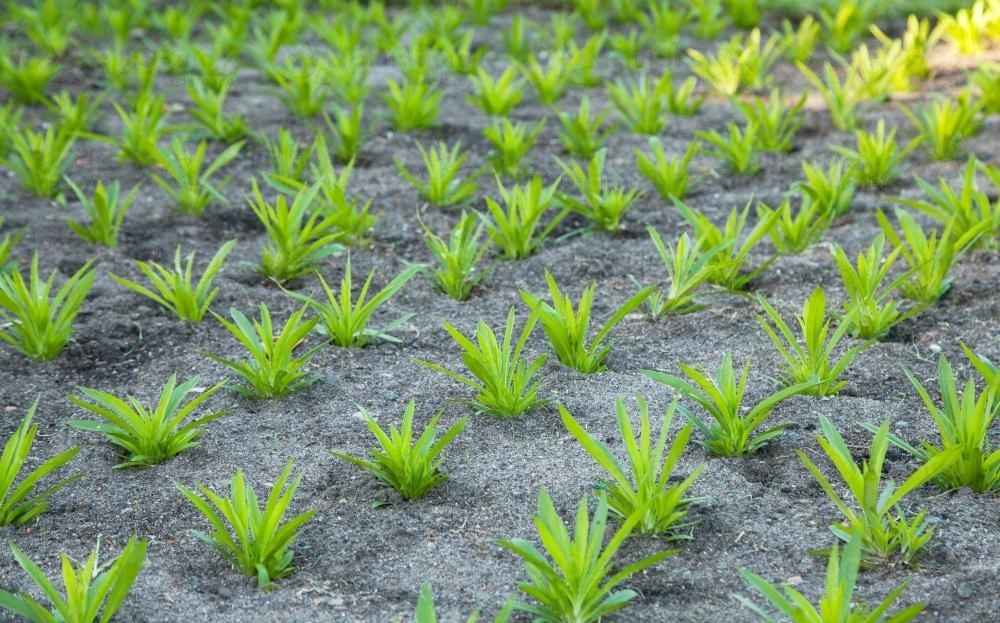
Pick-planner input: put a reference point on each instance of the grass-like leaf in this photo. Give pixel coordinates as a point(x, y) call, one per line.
point(189, 185)
point(106, 212)
point(514, 226)
point(458, 257)
point(426, 611)
point(603, 207)
point(444, 186)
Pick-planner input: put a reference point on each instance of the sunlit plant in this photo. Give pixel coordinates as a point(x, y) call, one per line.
point(458, 257)
point(514, 221)
point(445, 185)
point(603, 207)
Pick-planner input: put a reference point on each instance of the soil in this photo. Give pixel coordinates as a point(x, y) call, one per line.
point(365, 554)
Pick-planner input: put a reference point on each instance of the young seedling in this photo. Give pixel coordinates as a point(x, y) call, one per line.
point(969, 209)
point(710, 20)
point(251, 538)
point(511, 144)
point(799, 42)
point(189, 186)
point(38, 159)
point(568, 328)
point(503, 380)
point(39, 324)
point(75, 116)
point(688, 267)
point(550, 81)
point(426, 611)
point(496, 97)
point(345, 321)
point(737, 150)
point(142, 129)
point(871, 311)
point(644, 487)
point(412, 467)
point(964, 29)
point(876, 162)
point(603, 207)
point(25, 502)
point(105, 210)
point(460, 55)
point(945, 124)
point(838, 602)
point(175, 289)
point(297, 240)
point(669, 177)
point(832, 190)
point(42, 23)
point(93, 591)
point(303, 83)
point(273, 369)
point(662, 24)
point(581, 134)
point(7, 244)
point(731, 431)
point(627, 47)
point(353, 218)
point(148, 435)
point(843, 97)
point(794, 232)
point(774, 121)
point(843, 27)
point(515, 38)
point(642, 104)
point(413, 105)
point(514, 226)
point(208, 111)
point(458, 258)
point(574, 582)
point(288, 157)
point(810, 360)
point(28, 77)
point(347, 126)
point(585, 60)
point(742, 62)
point(444, 185)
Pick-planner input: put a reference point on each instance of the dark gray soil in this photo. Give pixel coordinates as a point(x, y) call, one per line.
point(366, 553)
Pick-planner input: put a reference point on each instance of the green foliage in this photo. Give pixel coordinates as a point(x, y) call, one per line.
point(503, 380)
point(645, 486)
point(795, 231)
point(249, 537)
point(28, 77)
point(23, 503)
point(208, 111)
point(345, 321)
point(968, 210)
point(273, 369)
point(409, 466)
point(681, 100)
point(842, 28)
point(963, 422)
point(799, 42)
point(843, 97)
point(288, 157)
point(737, 150)
point(426, 611)
point(75, 116)
point(710, 20)
point(774, 121)
point(297, 240)
point(462, 59)
point(642, 103)
point(662, 25)
point(38, 159)
point(45, 22)
point(688, 267)
point(723, 245)
point(603, 207)
point(965, 29)
point(105, 210)
point(550, 81)
point(444, 185)
point(627, 46)
point(148, 435)
point(584, 59)
point(92, 591)
point(515, 38)
point(192, 189)
point(885, 531)
point(142, 129)
point(731, 431)
point(832, 190)
point(581, 133)
point(870, 310)
point(7, 244)
point(986, 80)
point(568, 328)
point(838, 604)
point(740, 63)
point(458, 258)
point(38, 323)
point(347, 126)
point(514, 226)
point(303, 83)
point(413, 105)
point(496, 97)
point(744, 13)
point(352, 218)
point(669, 177)
point(572, 583)
point(945, 124)
point(876, 161)
point(175, 289)
point(511, 144)
point(810, 360)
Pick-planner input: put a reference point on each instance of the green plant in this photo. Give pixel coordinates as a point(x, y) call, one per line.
point(964, 29)
point(503, 380)
point(969, 209)
point(870, 310)
point(738, 150)
point(794, 232)
point(249, 537)
point(273, 369)
point(148, 435)
point(884, 528)
point(38, 323)
point(514, 226)
point(27, 78)
point(669, 177)
point(75, 116)
point(581, 133)
point(345, 322)
point(551, 81)
point(175, 289)
point(945, 124)
point(191, 187)
point(644, 486)
point(409, 466)
point(572, 584)
point(843, 97)
point(838, 604)
point(986, 80)
point(460, 55)
point(963, 422)
point(731, 431)
point(208, 110)
point(584, 60)
point(105, 210)
point(832, 190)
point(603, 207)
point(744, 13)
point(426, 611)
point(511, 144)
point(142, 129)
point(46, 24)
point(7, 244)
point(851, 21)
point(458, 258)
point(496, 97)
point(347, 126)
point(711, 20)
point(304, 84)
point(93, 592)
point(722, 244)
point(688, 267)
point(444, 186)
point(930, 257)
point(297, 240)
point(39, 159)
point(515, 38)
point(642, 103)
point(876, 161)
point(413, 105)
point(799, 42)
point(288, 157)
point(21, 504)
point(662, 25)
point(568, 328)
point(811, 358)
point(627, 47)
point(775, 122)
point(741, 62)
